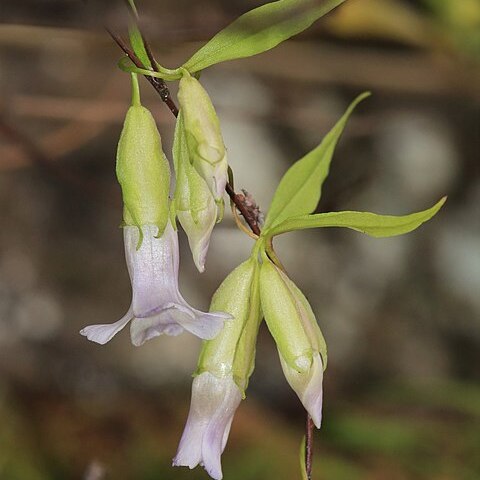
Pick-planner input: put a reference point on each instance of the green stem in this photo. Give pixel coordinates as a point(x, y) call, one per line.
point(135, 91)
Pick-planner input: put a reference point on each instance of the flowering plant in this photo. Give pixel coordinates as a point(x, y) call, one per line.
point(260, 287)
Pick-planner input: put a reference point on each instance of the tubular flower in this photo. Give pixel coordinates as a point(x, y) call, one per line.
point(151, 243)
point(194, 204)
point(157, 306)
point(203, 136)
point(300, 342)
point(224, 367)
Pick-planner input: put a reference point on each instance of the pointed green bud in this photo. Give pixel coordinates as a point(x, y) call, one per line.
point(232, 352)
point(300, 342)
point(195, 207)
point(142, 168)
point(202, 132)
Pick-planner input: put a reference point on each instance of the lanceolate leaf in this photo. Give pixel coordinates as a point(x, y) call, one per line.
point(300, 189)
point(365, 222)
point(260, 30)
point(138, 46)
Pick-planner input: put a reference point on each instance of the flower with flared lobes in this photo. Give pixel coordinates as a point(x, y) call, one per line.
point(300, 342)
point(203, 136)
point(151, 243)
point(194, 204)
point(157, 306)
point(224, 367)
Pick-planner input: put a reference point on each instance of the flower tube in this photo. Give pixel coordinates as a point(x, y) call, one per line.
point(157, 305)
point(194, 204)
point(224, 367)
point(151, 242)
point(300, 342)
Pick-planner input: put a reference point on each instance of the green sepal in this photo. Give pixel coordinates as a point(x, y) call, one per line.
point(142, 168)
point(259, 30)
point(191, 192)
point(300, 189)
point(289, 318)
point(365, 222)
point(173, 215)
point(232, 351)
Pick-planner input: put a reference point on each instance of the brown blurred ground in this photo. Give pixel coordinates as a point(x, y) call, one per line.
point(401, 316)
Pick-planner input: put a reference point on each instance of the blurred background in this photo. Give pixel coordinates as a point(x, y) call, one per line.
point(401, 316)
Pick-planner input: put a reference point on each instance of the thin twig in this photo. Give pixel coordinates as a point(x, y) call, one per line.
point(157, 83)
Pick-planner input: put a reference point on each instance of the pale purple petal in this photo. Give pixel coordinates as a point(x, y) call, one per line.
point(105, 332)
point(214, 402)
point(153, 268)
point(143, 329)
point(157, 304)
point(173, 319)
point(199, 230)
point(216, 434)
point(308, 386)
point(204, 325)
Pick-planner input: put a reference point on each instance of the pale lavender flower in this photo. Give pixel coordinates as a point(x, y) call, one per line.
point(157, 306)
point(308, 386)
point(214, 401)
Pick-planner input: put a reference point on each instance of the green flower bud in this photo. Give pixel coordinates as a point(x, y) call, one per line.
point(142, 168)
point(202, 132)
point(232, 352)
point(195, 207)
point(300, 343)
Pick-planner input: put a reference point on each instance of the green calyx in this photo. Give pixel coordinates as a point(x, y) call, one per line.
point(202, 134)
point(142, 168)
point(232, 352)
point(289, 318)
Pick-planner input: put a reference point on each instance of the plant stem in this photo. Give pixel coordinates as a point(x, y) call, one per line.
point(160, 86)
point(309, 429)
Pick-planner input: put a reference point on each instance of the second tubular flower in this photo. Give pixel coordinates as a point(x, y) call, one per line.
point(300, 342)
point(194, 204)
point(224, 367)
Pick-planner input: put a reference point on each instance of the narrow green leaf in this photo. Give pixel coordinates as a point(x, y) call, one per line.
point(364, 222)
point(260, 30)
point(300, 189)
point(138, 45)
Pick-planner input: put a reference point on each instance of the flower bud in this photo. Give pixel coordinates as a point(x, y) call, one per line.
point(224, 367)
point(142, 168)
point(202, 132)
point(195, 207)
point(300, 342)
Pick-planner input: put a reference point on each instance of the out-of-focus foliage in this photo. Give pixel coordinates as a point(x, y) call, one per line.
point(394, 432)
point(461, 19)
point(451, 23)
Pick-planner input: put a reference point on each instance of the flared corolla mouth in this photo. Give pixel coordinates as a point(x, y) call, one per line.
point(162, 308)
